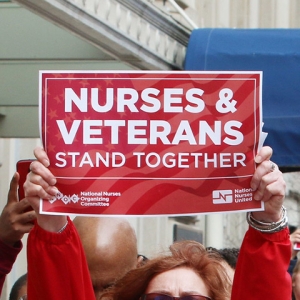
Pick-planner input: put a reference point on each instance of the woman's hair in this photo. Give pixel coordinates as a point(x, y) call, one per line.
point(189, 254)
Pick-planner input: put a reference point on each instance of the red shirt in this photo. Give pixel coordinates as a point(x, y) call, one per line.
point(57, 267)
point(261, 271)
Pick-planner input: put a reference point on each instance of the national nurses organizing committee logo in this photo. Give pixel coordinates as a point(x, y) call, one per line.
point(86, 198)
point(222, 196)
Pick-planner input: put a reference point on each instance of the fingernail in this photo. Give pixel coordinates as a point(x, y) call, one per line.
point(53, 191)
point(46, 163)
point(253, 187)
point(258, 159)
point(53, 181)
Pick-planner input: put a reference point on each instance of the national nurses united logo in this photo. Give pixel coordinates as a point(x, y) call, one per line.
point(222, 196)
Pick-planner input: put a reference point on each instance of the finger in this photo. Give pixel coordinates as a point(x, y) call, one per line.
point(13, 189)
point(34, 190)
point(35, 203)
point(272, 211)
point(41, 156)
point(35, 186)
point(22, 206)
point(24, 228)
point(296, 240)
point(262, 169)
point(272, 184)
point(38, 168)
point(265, 153)
point(27, 227)
point(27, 217)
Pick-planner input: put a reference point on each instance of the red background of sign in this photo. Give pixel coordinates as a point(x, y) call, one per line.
point(147, 190)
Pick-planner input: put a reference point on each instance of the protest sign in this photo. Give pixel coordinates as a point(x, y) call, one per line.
point(150, 143)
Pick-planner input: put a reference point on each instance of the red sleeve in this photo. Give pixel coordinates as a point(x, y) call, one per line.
point(8, 256)
point(57, 267)
point(261, 271)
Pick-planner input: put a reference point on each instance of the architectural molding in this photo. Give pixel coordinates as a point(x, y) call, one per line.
point(132, 31)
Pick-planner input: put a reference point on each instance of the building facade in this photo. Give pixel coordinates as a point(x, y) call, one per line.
point(116, 35)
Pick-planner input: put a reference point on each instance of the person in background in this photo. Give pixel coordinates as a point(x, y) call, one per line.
point(110, 248)
point(295, 238)
point(229, 258)
point(189, 271)
point(296, 281)
point(261, 271)
point(19, 289)
point(15, 221)
point(230, 255)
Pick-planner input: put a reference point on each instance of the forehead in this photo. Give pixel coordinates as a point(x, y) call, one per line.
point(178, 282)
point(22, 291)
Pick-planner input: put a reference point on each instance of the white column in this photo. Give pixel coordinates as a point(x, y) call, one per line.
point(282, 14)
point(253, 14)
point(214, 231)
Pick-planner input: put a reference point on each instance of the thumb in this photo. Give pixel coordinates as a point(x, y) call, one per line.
point(34, 203)
point(265, 153)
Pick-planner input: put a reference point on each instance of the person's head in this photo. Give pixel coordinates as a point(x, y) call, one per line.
point(19, 289)
point(188, 270)
point(229, 257)
point(110, 247)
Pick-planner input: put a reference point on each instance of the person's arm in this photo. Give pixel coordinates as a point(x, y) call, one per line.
point(15, 221)
point(263, 261)
point(57, 267)
point(261, 271)
point(8, 255)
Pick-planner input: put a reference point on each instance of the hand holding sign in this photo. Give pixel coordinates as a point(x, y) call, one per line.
point(269, 186)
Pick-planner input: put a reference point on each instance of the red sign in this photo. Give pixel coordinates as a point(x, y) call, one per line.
point(151, 143)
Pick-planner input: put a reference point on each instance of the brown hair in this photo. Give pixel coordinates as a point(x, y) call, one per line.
point(183, 254)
